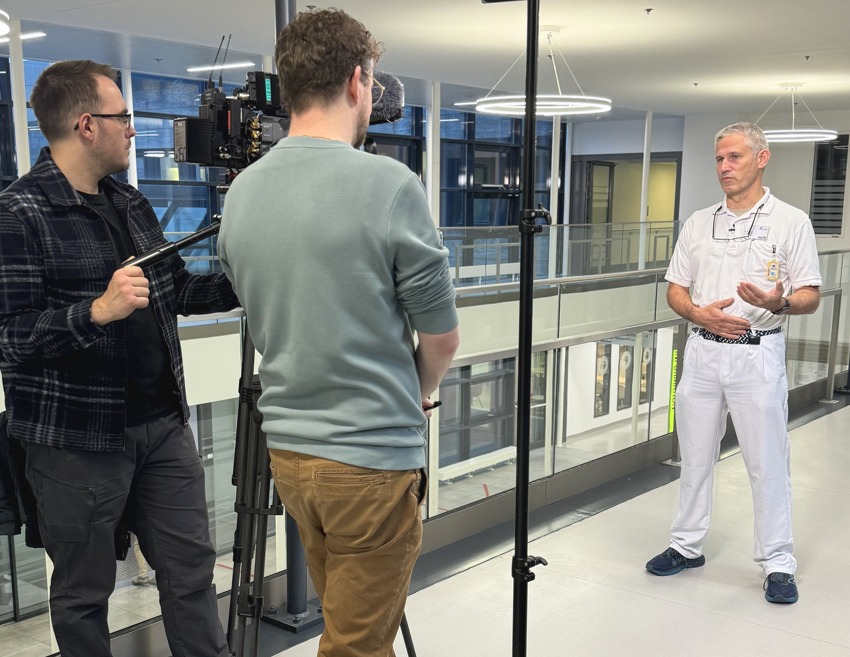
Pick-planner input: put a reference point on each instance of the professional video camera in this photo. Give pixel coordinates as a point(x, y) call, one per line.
point(233, 131)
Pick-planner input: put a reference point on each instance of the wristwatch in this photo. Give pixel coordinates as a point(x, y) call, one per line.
point(785, 307)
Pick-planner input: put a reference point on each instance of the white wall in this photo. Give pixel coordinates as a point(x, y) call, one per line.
point(626, 136)
point(788, 173)
point(699, 187)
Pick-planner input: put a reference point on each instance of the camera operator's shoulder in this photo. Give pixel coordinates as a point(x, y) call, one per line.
point(383, 163)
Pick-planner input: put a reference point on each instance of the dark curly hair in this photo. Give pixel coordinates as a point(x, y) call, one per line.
point(317, 53)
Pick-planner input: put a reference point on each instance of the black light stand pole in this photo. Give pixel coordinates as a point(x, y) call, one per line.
point(529, 225)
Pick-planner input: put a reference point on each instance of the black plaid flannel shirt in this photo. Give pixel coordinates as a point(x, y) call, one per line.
point(65, 378)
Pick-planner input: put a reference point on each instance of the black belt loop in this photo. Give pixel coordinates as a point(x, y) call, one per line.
point(750, 337)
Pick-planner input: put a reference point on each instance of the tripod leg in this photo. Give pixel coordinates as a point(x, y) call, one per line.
point(408, 640)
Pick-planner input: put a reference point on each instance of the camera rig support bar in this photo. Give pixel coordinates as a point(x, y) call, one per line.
point(171, 248)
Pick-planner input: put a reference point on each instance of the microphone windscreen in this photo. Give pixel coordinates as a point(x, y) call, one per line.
point(391, 106)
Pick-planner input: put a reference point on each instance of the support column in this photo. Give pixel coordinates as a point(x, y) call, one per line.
point(556, 233)
point(567, 177)
point(644, 190)
point(432, 152)
point(127, 90)
point(19, 98)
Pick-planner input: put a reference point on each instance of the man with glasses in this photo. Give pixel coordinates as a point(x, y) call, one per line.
point(93, 375)
point(338, 264)
point(737, 271)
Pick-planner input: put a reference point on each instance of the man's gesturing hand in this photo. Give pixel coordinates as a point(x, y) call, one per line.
point(718, 322)
point(755, 296)
point(127, 291)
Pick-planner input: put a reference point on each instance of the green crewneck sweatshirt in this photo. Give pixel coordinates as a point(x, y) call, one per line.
point(336, 260)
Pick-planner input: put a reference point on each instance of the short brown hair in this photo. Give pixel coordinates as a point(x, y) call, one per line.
point(317, 52)
point(65, 90)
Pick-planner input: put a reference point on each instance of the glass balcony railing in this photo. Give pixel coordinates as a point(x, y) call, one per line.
point(487, 256)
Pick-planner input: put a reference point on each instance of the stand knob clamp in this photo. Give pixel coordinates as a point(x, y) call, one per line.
point(522, 567)
point(529, 220)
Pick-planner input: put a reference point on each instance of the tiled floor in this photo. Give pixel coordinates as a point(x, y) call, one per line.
point(595, 598)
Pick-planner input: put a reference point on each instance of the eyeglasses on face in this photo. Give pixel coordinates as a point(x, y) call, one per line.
point(377, 90)
point(124, 119)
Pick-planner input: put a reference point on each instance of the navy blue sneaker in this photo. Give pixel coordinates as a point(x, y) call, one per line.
point(671, 562)
point(780, 588)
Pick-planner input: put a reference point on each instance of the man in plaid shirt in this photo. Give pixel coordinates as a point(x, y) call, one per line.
point(93, 374)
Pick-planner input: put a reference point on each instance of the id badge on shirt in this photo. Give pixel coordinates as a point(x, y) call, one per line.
point(773, 269)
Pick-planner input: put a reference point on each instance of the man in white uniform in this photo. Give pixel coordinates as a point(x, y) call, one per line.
point(737, 270)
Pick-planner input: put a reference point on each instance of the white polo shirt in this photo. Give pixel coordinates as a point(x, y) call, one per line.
point(717, 250)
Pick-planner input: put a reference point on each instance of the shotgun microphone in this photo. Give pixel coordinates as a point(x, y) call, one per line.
point(391, 106)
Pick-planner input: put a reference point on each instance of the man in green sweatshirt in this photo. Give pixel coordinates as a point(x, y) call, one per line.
point(345, 283)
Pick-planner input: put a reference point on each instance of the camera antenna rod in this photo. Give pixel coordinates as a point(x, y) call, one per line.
point(212, 70)
point(223, 59)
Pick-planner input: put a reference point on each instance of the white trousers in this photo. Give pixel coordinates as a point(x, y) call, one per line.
point(749, 382)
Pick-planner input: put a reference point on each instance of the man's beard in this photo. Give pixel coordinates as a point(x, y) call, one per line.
point(362, 129)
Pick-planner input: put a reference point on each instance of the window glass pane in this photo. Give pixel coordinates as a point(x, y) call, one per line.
point(452, 208)
point(32, 69)
point(404, 126)
point(453, 124)
point(542, 169)
point(492, 168)
point(453, 168)
point(406, 152)
point(36, 138)
point(5, 80)
point(7, 137)
point(166, 95)
point(828, 186)
point(493, 211)
point(495, 128)
point(544, 133)
point(183, 210)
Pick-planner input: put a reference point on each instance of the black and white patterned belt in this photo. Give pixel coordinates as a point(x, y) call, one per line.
point(750, 337)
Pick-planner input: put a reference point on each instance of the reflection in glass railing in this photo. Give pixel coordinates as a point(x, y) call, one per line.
point(489, 255)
